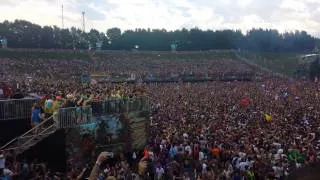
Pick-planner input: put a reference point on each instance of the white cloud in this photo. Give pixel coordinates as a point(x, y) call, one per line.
point(294, 5)
point(170, 14)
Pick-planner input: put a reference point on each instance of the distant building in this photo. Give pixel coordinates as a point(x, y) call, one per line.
point(173, 47)
point(4, 42)
point(307, 65)
point(99, 45)
point(316, 49)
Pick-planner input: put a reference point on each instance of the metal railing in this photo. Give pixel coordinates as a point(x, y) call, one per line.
point(16, 108)
point(75, 116)
point(31, 137)
point(72, 117)
point(119, 105)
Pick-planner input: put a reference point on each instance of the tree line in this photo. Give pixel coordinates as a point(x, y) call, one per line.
point(24, 34)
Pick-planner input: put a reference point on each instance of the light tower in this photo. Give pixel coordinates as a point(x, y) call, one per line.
point(62, 21)
point(83, 23)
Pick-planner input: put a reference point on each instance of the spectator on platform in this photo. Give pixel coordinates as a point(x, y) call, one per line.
point(36, 115)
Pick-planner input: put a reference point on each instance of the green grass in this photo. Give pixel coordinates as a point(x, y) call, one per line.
point(283, 63)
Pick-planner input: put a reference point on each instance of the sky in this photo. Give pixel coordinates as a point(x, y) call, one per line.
point(283, 15)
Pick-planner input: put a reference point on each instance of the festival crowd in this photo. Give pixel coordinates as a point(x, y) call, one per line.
point(210, 130)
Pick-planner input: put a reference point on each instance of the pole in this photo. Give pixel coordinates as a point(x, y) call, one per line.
point(83, 24)
point(62, 16)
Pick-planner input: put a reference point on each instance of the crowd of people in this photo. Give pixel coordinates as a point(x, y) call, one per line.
point(210, 130)
point(164, 64)
point(42, 75)
point(236, 129)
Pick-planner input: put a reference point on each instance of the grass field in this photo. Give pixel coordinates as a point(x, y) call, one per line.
point(283, 63)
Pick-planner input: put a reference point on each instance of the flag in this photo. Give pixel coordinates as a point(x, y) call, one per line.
point(296, 156)
point(146, 153)
point(268, 117)
point(244, 102)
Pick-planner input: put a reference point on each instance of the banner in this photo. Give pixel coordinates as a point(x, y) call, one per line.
point(113, 132)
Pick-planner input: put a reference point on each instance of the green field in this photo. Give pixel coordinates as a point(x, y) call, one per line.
point(283, 63)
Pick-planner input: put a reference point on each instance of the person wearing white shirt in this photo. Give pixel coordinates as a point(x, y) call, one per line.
point(188, 149)
point(160, 172)
point(236, 161)
point(204, 167)
point(134, 156)
point(185, 135)
point(242, 155)
point(2, 161)
point(201, 156)
point(278, 171)
point(243, 165)
point(7, 173)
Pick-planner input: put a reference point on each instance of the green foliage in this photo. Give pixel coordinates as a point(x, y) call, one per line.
point(23, 34)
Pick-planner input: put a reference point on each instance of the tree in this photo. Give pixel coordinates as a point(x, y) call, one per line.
point(114, 34)
point(94, 37)
point(24, 34)
point(47, 38)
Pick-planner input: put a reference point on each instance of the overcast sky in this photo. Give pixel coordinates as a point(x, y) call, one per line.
point(284, 15)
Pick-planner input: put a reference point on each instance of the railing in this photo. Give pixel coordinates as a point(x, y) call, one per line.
point(71, 117)
point(75, 116)
point(31, 137)
point(122, 105)
point(16, 108)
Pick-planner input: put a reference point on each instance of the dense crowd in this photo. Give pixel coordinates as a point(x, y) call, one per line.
point(209, 130)
point(164, 64)
point(236, 129)
point(41, 75)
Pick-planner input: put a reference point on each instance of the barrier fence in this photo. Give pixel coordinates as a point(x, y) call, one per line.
point(122, 105)
point(21, 109)
point(74, 116)
point(71, 117)
point(16, 108)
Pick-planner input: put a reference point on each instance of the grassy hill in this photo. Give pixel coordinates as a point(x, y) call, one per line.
point(283, 63)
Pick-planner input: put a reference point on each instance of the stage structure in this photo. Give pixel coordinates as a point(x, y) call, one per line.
point(174, 46)
point(117, 125)
point(4, 42)
point(309, 66)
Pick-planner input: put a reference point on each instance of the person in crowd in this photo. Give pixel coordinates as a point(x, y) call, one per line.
point(264, 129)
point(36, 115)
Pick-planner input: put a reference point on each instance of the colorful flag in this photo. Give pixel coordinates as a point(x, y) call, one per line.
point(244, 102)
point(267, 117)
point(296, 156)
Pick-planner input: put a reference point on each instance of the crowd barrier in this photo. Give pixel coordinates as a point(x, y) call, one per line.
point(74, 116)
point(16, 108)
point(117, 105)
point(21, 109)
